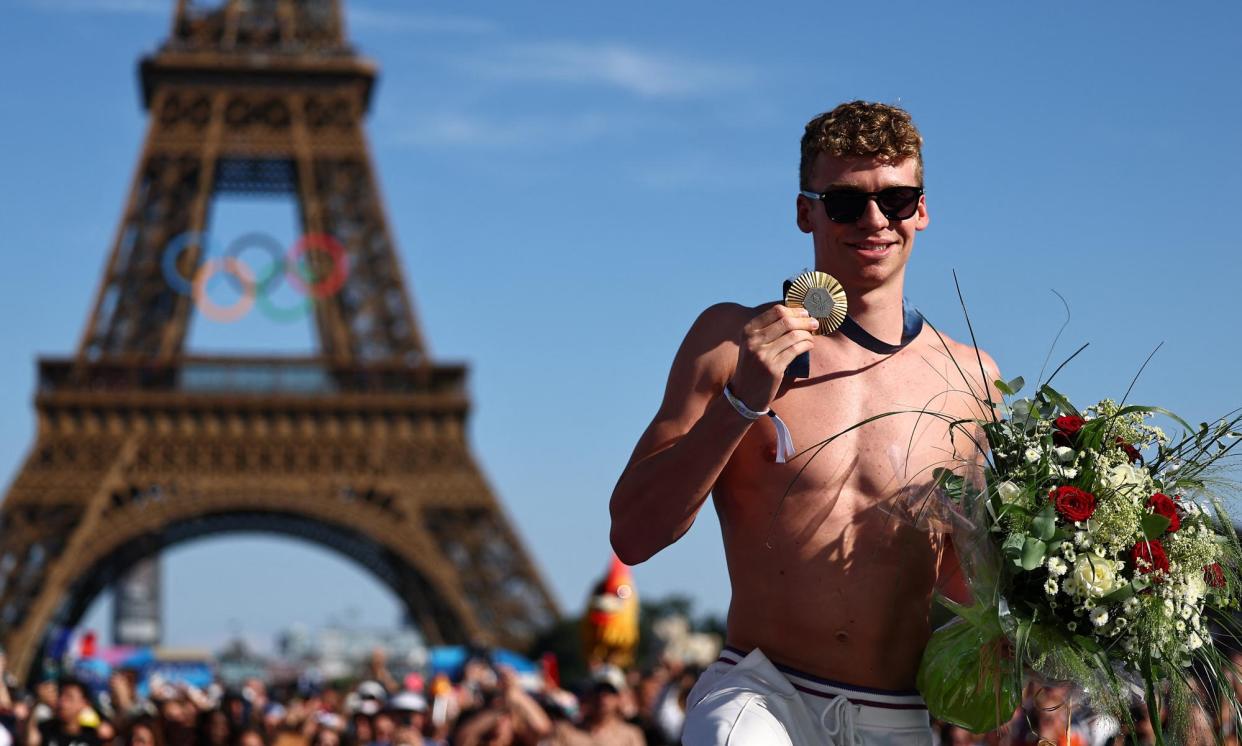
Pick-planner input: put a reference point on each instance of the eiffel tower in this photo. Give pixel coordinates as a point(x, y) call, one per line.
point(360, 448)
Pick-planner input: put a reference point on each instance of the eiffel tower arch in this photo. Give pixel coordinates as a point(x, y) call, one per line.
point(360, 448)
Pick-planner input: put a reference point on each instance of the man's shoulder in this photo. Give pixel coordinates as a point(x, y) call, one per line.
point(967, 356)
point(723, 321)
point(710, 346)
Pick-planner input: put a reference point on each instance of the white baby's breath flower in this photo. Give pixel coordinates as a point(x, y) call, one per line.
point(1082, 539)
point(1099, 616)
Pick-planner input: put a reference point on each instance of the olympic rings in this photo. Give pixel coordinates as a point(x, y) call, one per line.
point(223, 314)
point(256, 291)
point(275, 270)
point(328, 286)
point(172, 253)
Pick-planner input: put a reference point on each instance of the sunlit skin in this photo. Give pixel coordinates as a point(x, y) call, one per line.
point(827, 571)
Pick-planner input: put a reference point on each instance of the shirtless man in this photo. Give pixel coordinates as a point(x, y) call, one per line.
point(831, 582)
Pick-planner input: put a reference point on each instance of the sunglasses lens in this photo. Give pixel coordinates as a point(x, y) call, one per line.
point(845, 206)
point(898, 203)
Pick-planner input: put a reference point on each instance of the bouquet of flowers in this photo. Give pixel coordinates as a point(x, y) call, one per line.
point(1096, 552)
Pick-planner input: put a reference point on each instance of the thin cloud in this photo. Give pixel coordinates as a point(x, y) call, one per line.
point(124, 7)
point(459, 129)
point(637, 71)
point(374, 19)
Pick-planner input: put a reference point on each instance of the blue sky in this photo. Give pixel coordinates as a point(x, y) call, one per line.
point(569, 184)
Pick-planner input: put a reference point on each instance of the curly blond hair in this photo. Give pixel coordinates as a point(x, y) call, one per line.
point(862, 128)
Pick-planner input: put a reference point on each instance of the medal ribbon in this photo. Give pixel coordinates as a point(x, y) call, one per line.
point(912, 324)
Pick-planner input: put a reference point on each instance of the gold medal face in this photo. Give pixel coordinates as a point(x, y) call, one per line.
point(822, 297)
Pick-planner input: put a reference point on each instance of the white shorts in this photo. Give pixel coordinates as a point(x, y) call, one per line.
point(746, 699)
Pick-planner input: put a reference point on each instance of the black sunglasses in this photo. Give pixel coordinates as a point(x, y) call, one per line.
point(848, 205)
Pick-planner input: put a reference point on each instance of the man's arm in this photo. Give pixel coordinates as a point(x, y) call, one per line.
point(694, 433)
point(951, 581)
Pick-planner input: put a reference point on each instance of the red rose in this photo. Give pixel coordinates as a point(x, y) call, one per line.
point(1149, 556)
point(1067, 428)
point(1132, 453)
point(1214, 574)
point(1162, 504)
point(1072, 503)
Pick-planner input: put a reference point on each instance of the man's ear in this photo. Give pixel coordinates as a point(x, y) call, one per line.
point(804, 207)
point(921, 217)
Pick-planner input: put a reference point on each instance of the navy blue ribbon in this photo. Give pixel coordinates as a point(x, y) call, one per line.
point(911, 326)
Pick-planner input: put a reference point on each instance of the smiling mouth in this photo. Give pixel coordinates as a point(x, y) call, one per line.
point(873, 248)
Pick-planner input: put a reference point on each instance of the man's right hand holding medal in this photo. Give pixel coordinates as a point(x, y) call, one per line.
point(766, 347)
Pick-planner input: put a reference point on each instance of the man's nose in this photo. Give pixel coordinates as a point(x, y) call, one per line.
point(872, 218)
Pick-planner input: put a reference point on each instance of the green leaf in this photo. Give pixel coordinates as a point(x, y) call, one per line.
point(1045, 524)
point(1015, 384)
point(1059, 400)
point(1003, 387)
point(966, 681)
point(1087, 644)
point(1154, 525)
point(1033, 551)
point(1121, 594)
point(1012, 547)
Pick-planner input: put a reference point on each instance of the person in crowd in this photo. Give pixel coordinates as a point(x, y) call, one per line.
point(143, 731)
point(604, 720)
point(74, 722)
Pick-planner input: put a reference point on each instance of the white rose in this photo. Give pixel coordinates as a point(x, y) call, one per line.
point(1009, 492)
point(1126, 478)
point(1094, 575)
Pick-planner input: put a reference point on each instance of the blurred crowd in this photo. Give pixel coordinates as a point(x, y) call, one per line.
point(482, 703)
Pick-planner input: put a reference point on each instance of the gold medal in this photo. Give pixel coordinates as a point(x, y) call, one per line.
point(822, 296)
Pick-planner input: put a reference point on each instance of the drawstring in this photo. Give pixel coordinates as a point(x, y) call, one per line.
point(842, 731)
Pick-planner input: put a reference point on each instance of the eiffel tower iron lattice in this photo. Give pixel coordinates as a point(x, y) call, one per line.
point(361, 448)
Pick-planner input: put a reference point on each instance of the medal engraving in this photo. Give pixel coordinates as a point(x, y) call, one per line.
point(822, 297)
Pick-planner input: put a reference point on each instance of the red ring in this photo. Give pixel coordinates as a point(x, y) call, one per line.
point(329, 285)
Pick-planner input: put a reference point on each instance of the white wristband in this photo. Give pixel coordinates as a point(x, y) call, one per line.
point(741, 407)
point(784, 440)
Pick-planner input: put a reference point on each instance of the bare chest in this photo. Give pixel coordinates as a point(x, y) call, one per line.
point(869, 430)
